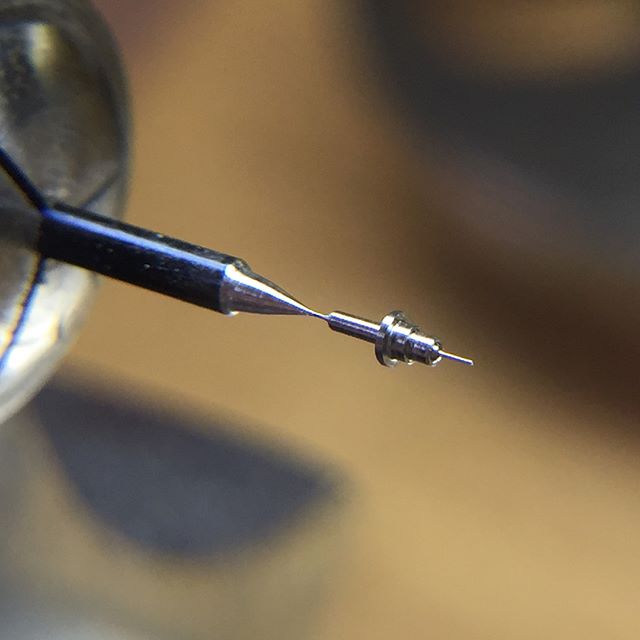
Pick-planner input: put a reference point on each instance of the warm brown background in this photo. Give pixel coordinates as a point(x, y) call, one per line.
point(490, 504)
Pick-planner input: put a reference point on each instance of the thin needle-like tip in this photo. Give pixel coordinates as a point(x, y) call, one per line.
point(451, 356)
point(316, 314)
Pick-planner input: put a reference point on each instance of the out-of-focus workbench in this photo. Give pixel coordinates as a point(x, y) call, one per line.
point(486, 504)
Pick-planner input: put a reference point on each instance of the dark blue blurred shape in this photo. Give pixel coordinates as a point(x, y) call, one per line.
point(164, 484)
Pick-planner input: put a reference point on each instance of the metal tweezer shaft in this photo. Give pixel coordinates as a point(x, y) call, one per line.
point(201, 276)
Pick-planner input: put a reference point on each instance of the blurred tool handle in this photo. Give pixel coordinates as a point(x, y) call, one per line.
point(131, 254)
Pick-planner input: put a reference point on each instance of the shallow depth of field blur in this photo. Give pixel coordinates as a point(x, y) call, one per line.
point(499, 501)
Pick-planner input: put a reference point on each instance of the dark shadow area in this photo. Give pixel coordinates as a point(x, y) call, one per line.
point(161, 482)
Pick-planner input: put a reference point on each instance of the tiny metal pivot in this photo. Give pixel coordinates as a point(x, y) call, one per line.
point(396, 339)
point(400, 340)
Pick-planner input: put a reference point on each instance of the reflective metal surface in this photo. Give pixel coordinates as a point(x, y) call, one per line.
point(244, 290)
point(63, 118)
point(397, 339)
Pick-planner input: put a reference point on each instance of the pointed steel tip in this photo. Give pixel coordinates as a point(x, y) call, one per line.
point(315, 314)
point(455, 358)
point(244, 290)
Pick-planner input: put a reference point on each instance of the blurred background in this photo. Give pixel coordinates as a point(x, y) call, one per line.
point(475, 164)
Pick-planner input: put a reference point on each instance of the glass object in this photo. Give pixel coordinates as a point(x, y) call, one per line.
point(64, 120)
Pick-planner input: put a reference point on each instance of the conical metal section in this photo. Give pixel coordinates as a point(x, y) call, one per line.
point(244, 290)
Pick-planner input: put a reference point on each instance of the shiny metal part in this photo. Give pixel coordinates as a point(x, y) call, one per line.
point(244, 290)
point(400, 340)
point(396, 338)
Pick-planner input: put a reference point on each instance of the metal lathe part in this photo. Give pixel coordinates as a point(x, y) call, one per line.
point(396, 339)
